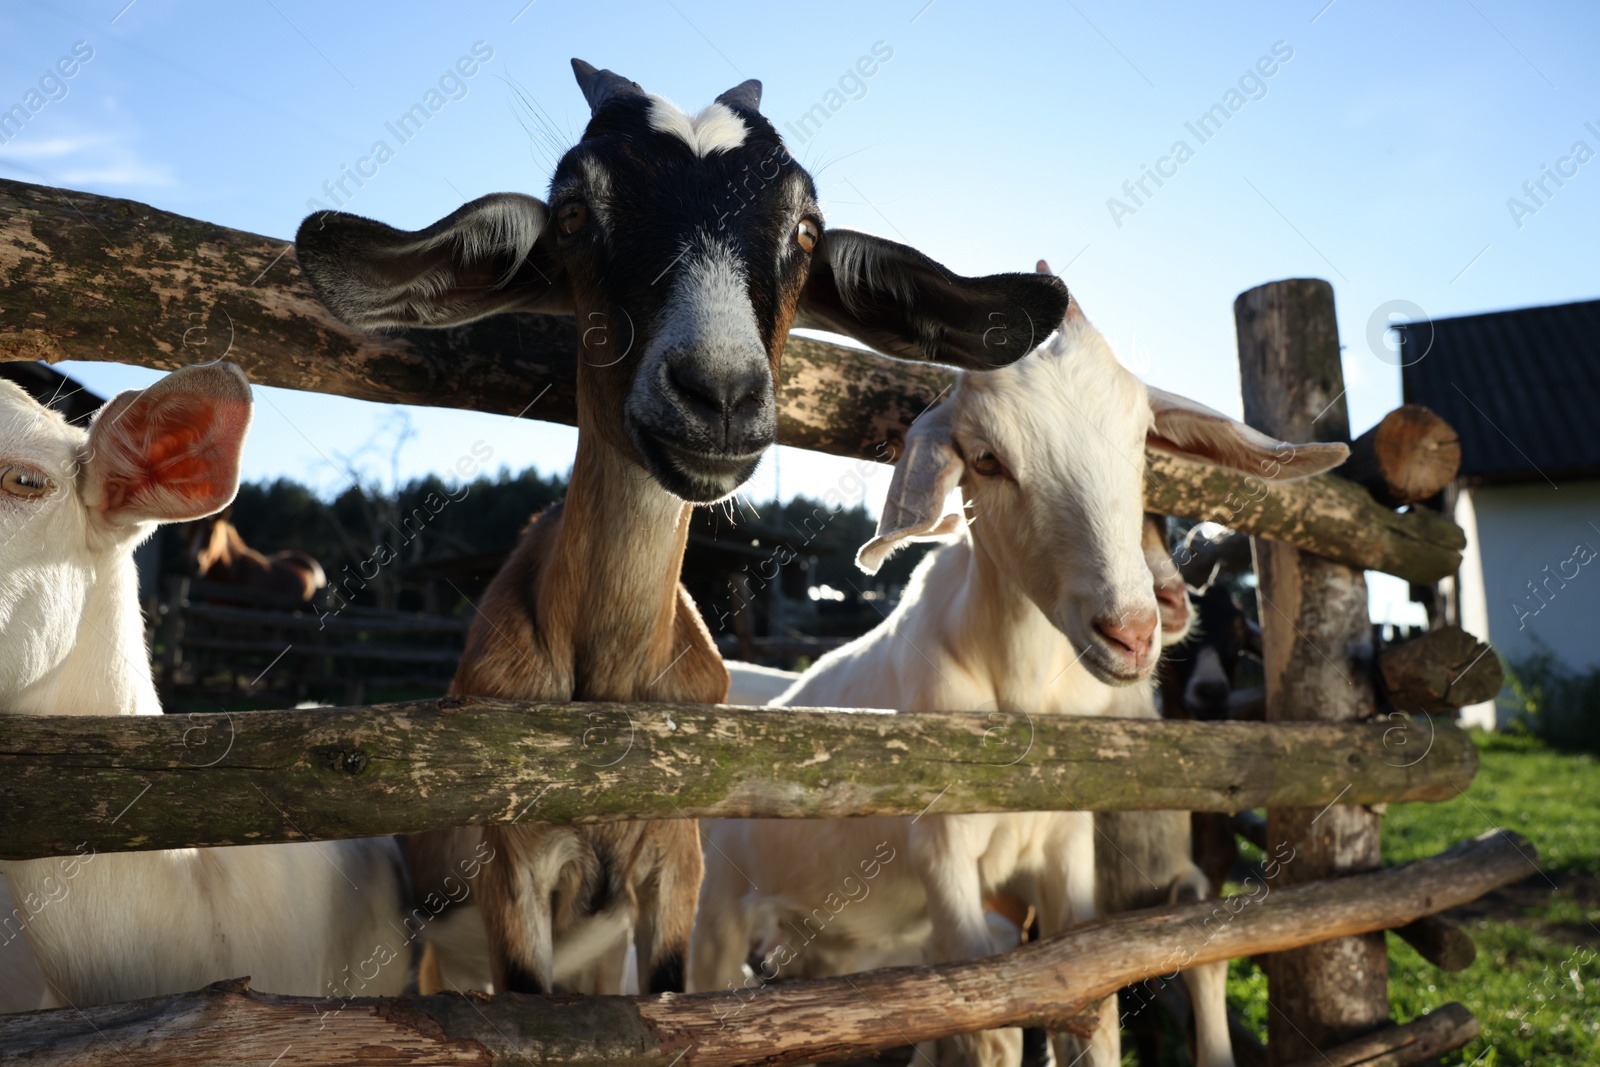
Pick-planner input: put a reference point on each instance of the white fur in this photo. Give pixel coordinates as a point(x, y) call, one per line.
point(751, 685)
point(303, 918)
point(1005, 620)
point(715, 129)
point(22, 986)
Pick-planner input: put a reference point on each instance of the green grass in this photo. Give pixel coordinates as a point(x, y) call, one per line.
point(1535, 986)
point(1549, 796)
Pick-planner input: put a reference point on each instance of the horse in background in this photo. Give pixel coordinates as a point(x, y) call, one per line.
point(217, 553)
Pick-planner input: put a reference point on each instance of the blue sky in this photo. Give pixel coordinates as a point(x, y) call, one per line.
point(1380, 153)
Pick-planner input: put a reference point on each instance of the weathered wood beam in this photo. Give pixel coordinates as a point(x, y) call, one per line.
point(1439, 671)
point(1316, 644)
point(1410, 455)
point(1045, 983)
point(1325, 516)
point(98, 278)
point(1441, 942)
point(1419, 1041)
point(134, 782)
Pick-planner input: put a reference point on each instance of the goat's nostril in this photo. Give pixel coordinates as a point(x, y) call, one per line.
point(693, 388)
point(720, 395)
point(1133, 634)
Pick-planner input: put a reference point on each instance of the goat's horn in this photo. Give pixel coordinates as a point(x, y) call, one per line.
point(745, 94)
point(600, 86)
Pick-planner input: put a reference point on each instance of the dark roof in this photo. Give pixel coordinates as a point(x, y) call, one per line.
point(53, 389)
point(1521, 387)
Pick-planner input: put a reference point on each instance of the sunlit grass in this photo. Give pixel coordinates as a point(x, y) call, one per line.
point(1535, 986)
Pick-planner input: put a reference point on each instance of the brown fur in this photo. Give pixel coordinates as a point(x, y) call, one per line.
point(589, 607)
point(220, 555)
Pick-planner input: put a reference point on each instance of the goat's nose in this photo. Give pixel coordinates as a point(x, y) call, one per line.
point(1173, 604)
point(1171, 595)
point(1133, 632)
point(719, 395)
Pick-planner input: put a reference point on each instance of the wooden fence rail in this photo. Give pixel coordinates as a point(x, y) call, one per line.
point(1050, 982)
point(128, 783)
point(97, 278)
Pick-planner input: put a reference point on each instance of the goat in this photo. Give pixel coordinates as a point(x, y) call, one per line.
point(299, 918)
point(218, 553)
point(1042, 605)
point(686, 247)
point(1197, 675)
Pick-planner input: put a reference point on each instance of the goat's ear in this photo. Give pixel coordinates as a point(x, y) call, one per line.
point(492, 255)
point(1187, 428)
point(928, 469)
point(169, 453)
point(903, 304)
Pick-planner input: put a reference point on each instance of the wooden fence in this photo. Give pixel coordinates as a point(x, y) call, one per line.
point(106, 279)
point(224, 641)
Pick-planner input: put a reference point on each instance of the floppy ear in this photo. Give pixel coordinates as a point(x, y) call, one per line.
point(1191, 429)
point(169, 453)
point(494, 254)
point(903, 304)
point(928, 469)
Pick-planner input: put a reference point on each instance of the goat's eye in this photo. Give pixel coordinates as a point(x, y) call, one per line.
point(988, 465)
point(24, 482)
point(806, 234)
point(571, 217)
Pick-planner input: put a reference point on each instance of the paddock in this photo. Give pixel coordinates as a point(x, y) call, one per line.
point(1347, 729)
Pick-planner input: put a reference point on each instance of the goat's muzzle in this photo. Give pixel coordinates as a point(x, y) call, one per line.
point(703, 424)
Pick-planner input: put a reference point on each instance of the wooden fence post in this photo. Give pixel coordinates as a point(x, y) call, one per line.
point(1317, 658)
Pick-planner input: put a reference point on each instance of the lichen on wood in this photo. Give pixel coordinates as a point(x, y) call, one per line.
point(134, 782)
point(98, 278)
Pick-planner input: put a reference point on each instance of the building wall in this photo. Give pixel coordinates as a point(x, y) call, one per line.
point(1531, 572)
point(1469, 596)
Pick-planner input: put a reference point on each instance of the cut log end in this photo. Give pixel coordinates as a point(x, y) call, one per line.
point(1409, 456)
point(1440, 671)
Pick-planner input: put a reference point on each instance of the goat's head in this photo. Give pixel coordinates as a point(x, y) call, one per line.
point(1049, 455)
point(686, 246)
point(74, 504)
point(1225, 632)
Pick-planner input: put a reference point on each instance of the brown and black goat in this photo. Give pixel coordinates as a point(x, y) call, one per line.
point(686, 246)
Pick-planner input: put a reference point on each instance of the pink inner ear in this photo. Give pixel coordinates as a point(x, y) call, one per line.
point(1201, 433)
point(176, 456)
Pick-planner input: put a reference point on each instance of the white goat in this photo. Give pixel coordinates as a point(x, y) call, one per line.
point(1043, 607)
point(309, 919)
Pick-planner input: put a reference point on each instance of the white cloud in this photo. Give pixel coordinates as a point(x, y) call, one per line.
point(79, 160)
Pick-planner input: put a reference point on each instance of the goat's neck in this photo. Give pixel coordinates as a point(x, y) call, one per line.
point(107, 672)
point(619, 551)
point(1028, 661)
